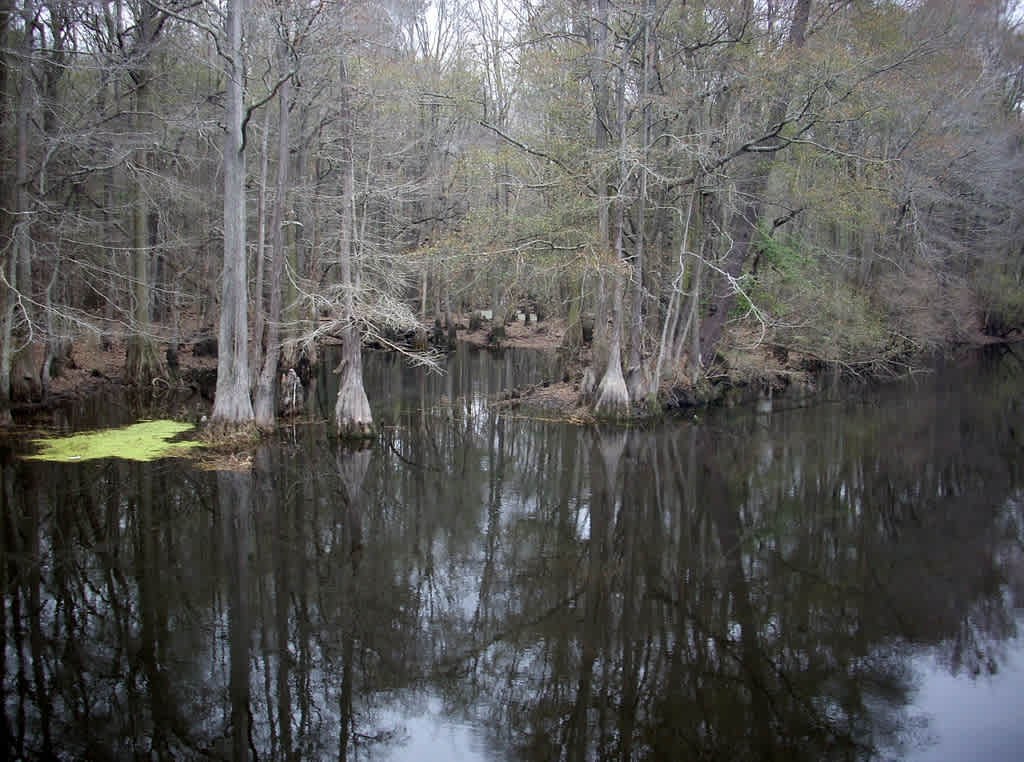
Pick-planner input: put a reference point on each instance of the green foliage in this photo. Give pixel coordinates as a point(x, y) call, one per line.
point(743, 305)
point(812, 309)
point(783, 254)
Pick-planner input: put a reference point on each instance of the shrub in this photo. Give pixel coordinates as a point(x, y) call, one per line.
point(813, 309)
point(1002, 301)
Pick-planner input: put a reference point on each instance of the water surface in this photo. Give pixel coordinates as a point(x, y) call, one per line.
point(837, 582)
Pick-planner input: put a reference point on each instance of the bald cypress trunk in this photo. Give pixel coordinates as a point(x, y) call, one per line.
point(142, 359)
point(264, 404)
point(613, 394)
point(20, 240)
point(232, 404)
point(352, 413)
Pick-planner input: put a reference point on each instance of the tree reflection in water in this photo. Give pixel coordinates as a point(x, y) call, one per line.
point(744, 589)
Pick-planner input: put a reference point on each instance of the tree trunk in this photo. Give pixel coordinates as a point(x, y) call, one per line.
point(264, 407)
point(668, 330)
point(20, 242)
point(232, 405)
point(143, 362)
point(352, 413)
point(612, 394)
point(755, 167)
point(742, 229)
point(7, 223)
point(258, 296)
point(636, 327)
point(597, 37)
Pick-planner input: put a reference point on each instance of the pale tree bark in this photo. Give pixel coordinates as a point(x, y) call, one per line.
point(596, 29)
point(232, 405)
point(636, 327)
point(352, 413)
point(265, 409)
point(613, 393)
point(672, 314)
point(259, 318)
point(690, 330)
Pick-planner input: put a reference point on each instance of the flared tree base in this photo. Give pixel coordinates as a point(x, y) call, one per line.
point(612, 394)
point(352, 414)
point(143, 362)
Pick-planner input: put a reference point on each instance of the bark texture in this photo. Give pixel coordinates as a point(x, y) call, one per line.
point(612, 394)
point(232, 404)
point(352, 410)
point(265, 408)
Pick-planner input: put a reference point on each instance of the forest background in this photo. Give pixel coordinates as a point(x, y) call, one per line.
point(692, 181)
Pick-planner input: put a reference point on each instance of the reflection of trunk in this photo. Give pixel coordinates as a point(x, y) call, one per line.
point(352, 467)
point(496, 482)
point(352, 410)
point(272, 507)
point(233, 499)
point(7, 572)
point(264, 403)
point(35, 612)
point(153, 615)
point(762, 711)
point(628, 525)
point(608, 448)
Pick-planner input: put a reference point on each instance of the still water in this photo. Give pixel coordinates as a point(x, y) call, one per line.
point(844, 581)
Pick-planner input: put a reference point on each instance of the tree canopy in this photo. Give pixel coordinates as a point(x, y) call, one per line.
point(838, 179)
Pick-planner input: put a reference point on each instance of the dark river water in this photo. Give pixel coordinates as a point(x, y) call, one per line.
point(843, 581)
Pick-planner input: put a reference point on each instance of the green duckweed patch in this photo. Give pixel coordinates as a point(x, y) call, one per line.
point(145, 441)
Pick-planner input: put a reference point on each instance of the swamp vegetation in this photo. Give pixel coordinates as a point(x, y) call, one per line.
point(744, 189)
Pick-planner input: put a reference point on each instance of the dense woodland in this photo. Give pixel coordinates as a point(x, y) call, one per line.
point(840, 180)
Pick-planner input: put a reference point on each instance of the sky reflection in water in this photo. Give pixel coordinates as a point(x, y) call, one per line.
point(479, 586)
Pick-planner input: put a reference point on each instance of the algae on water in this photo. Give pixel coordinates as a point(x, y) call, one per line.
point(144, 441)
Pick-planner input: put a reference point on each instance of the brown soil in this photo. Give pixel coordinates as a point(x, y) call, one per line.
point(746, 362)
point(560, 400)
point(545, 335)
point(94, 370)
